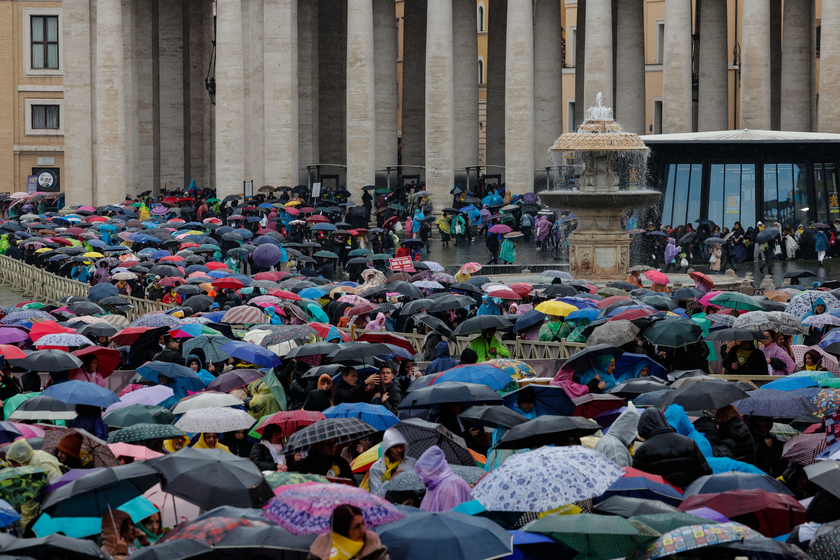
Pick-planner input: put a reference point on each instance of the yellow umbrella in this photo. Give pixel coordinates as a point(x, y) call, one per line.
point(43, 250)
point(363, 462)
point(293, 203)
point(557, 308)
point(94, 255)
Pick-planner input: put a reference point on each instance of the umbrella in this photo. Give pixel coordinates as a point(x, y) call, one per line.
point(21, 484)
point(773, 403)
point(777, 514)
point(209, 529)
point(252, 353)
point(804, 448)
point(278, 479)
point(422, 435)
point(81, 392)
point(53, 546)
point(827, 402)
point(493, 416)
point(63, 339)
point(628, 507)
point(736, 300)
point(702, 395)
point(456, 537)
point(50, 360)
point(341, 430)
point(244, 315)
point(379, 417)
point(212, 477)
point(263, 538)
point(234, 379)
point(210, 344)
point(734, 333)
point(692, 537)
point(138, 414)
point(205, 400)
point(144, 432)
point(307, 509)
point(547, 430)
point(290, 421)
point(484, 374)
point(450, 392)
point(802, 303)
point(594, 535)
point(615, 333)
point(766, 235)
point(215, 420)
point(179, 549)
point(634, 387)
point(588, 357)
point(674, 333)
point(724, 482)
point(43, 408)
point(546, 478)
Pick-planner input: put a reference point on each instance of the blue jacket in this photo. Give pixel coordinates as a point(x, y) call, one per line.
point(821, 241)
point(678, 419)
point(443, 361)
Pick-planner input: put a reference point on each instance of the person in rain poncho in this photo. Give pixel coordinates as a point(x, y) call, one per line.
point(605, 366)
point(194, 363)
point(444, 226)
point(621, 435)
point(443, 360)
point(209, 441)
point(565, 378)
point(264, 403)
point(376, 324)
point(20, 454)
point(4, 243)
point(488, 347)
point(444, 489)
point(119, 534)
point(554, 330)
point(417, 222)
point(671, 252)
point(543, 228)
point(507, 252)
point(484, 217)
point(777, 357)
point(488, 307)
point(393, 461)
point(674, 457)
point(678, 419)
point(526, 403)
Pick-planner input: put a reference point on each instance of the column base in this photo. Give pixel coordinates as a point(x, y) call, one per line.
point(599, 254)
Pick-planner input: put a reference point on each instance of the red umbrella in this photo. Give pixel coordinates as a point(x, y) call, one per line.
point(129, 335)
point(323, 331)
point(215, 265)
point(362, 308)
point(777, 514)
point(285, 294)
point(188, 245)
point(606, 302)
point(390, 222)
point(10, 352)
point(172, 281)
point(75, 231)
point(522, 288)
point(208, 531)
point(633, 314)
point(106, 358)
point(591, 405)
point(227, 284)
point(292, 211)
point(270, 276)
point(804, 448)
point(317, 219)
point(656, 277)
point(701, 278)
point(291, 421)
point(172, 258)
point(386, 338)
point(504, 293)
point(96, 219)
point(307, 210)
point(42, 328)
point(630, 472)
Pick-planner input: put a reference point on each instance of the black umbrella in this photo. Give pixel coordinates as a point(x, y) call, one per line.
point(635, 387)
point(767, 235)
point(116, 301)
point(686, 293)
point(465, 287)
point(734, 334)
point(493, 416)
point(627, 286)
point(165, 270)
point(232, 197)
point(482, 322)
point(138, 414)
point(450, 302)
point(702, 395)
point(404, 288)
point(44, 408)
point(53, 546)
point(94, 494)
point(264, 538)
point(341, 430)
point(361, 352)
point(178, 549)
point(189, 290)
point(660, 303)
point(50, 360)
point(561, 290)
point(413, 307)
point(436, 324)
point(450, 392)
point(547, 430)
point(314, 349)
point(198, 303)
point(98, 329)
point(212, 477)
point(801, 274)
point(587, 358)
point(85, 308)
point(627, 507)
point(687, 238)
point(422, 435)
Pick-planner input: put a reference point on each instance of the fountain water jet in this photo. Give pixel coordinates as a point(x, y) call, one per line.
point(599, 248)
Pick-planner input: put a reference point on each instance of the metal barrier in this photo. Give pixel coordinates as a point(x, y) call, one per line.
point(491, 269)
point(46, 287)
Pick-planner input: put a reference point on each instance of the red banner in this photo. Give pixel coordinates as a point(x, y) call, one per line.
point(403, 264)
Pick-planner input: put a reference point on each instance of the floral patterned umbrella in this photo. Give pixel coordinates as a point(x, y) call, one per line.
point(63, 339)
point(209, 530)
point(546, 478)
point(516, 369)
point(16, 316)
point(93, 448)
point(217, 420)
point(692, 537)
point(827, 402)
point(442, 278)
point(306, 509)
point(826, 542)
point(435, 267)
point(156, 320)
point(802, 303)
point(472, 268)
point(429, 285)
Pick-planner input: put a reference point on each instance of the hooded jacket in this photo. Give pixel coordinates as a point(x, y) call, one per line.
point(20, 452)
point(674, 457)
point(565, 379)
point(444, 489)
point(443, 361)
point(481, 345)
point(372, 550)
point(708, 428)
point(114, 541)
point(735, 435)
point(615, 444)
point(678, 419)
point(201, 444)
point(767, 458)
point(318, 399)
point(391, 438)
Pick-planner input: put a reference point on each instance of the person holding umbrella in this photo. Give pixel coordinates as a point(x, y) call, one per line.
point(348, 539)
point(89, 371)
point(89, 419)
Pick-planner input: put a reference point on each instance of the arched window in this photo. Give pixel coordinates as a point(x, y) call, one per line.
point(481, 17)
point(480, 71)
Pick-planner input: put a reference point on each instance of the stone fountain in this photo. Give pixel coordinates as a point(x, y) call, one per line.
point(599, 248)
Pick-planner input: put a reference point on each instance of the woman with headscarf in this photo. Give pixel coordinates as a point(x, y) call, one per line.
point(811, 361)
point(542, 230)
point(152, 527)
point(348, 539)
point(671, 252)
point(268, 455)
point(444, 489)
point(603, 371)
point(320, 398)
point(209, 441)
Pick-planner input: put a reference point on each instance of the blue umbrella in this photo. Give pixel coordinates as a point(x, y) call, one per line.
point(717, 483)
point(324, 227)
point(312, 293)
point(196, 268)
point(80, 527)
point(624, 308)
point(587, 313)
point(217, 274)
point(96, 243)
point(82, 392)
point(774, 403)
point(580, 302)
point(160, 254)
point(8, 515)
point(59, 257)
point(535, 546)
point(641, 487)
point(8, 434)
point(101, 291)
point(251, 353)
point(156, 320)
point(649, 399)
point(183, 376)
point(245, 233)
point(379, 417)
point(628, 364)
point(550, 400)
point(244, 278)
point(493, 377)
point(790, 383)
point(529, 319)
point(210, 344)
point(266, 239)
point(267, 255)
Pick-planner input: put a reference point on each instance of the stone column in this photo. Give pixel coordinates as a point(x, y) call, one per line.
point(519, 98)
point(797, 81)
point(78, 153)
point(713, 94)
point(143, 96)
point(630, 59)
point(413, 125)
point(230, 99)
point(676, 75)
point(361, 96)
point(829, 108)
point(280, 39)
point(465, 45)
point(307, 86)
point(580, 62)
point(257, 153)
point(755, 66)
point(198, 98)
point(208, 26)
point(599, 54)
point(110, 104)
point(385, 84)
point(332, 86)
point(548, 85)
point(440, 102)
point(171, 42)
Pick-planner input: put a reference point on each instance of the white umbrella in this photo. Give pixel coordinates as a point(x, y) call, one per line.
point(215, 420)
point(207, 399)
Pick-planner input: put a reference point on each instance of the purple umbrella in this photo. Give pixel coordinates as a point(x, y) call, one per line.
point(500, 228)
point(530, 198)
point(233, 379)
point(267, 255)
point(148, 395)
point(156, 320)
point(67, 478)
point(13, 318)
point(10, 335)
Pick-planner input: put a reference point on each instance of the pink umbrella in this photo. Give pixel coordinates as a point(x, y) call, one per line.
point(656, 277)
point(500, 228)
point(829, 362)
point(148, 395)
point(705, 299)
point(138, 452)
point(173, 510)
point(29, 430)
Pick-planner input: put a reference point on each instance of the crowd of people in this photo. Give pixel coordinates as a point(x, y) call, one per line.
point(269, 361)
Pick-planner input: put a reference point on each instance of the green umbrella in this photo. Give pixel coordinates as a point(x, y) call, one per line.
point(397, 207)
point(20, 484)
point(383, 190)
point(326, 254)
point(380, 257)
point(12, 403)
point(594, 536)
point(608, 291)
point(213, 200)
point(277, 479)
point(142, 432)
point(664, 522)
point(360, 252)
point(674, 332)
point(138, 414)
point(736, 300)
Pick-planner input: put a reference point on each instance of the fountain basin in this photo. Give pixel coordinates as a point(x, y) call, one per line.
point(599, 211)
